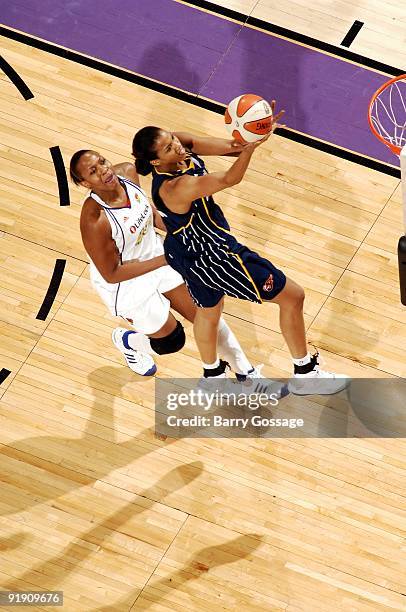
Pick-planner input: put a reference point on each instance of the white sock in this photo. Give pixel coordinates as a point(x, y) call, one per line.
point(211, 366)
point(303, 361)
point(230, 349)
point(139, 342)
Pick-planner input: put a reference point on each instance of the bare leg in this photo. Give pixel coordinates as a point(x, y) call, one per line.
point(206, 331)
point(308, 378)
point(182, 302)
point(290, 301)
point(228, 346)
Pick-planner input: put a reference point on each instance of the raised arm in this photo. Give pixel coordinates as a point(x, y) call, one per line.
point(208, 145)
point(219, 146)
point(180, 192)
point(101, 248)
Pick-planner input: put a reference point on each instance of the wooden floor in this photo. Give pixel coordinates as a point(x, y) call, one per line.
point(91, 502)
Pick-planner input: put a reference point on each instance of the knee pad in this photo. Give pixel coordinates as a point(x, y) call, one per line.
point(171, 343)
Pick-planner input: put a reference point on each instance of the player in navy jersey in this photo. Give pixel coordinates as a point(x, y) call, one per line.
point(129, 270)
point(200, 246)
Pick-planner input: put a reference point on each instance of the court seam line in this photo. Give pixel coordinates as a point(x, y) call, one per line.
point(334, 478)
point(164, 552)
point(220, 60)
point(301, 514)
point(347, 269)
point(363, 243)
point(188, 97)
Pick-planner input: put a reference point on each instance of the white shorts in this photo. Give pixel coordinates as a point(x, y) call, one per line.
point(140, 299)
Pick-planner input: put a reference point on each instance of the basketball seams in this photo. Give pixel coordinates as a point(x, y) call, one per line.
point(248, 118)
point(245, 103)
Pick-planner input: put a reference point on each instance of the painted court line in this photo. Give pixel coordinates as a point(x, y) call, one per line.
point(52, 289)
point(192, 99)
point(63, 187)
point(352, 33)
point(15, 78)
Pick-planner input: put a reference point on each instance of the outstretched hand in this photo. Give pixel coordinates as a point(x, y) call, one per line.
point(275, 124)
point(275, 118)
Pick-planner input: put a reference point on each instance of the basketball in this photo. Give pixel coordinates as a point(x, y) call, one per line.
point(248, 118)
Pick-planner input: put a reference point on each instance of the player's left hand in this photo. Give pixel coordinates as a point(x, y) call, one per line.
point(275, 118)
point(237, 146)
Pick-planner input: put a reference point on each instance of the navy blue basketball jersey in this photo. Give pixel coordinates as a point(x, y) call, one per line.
point(201, 248)
point(204, 223)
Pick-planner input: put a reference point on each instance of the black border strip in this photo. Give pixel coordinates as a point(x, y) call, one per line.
point(3, 374)
point(326, 147)
point(52, 289)
point(191, 98)
point(121, 73)
point(295, 36)
point(15, 78)
point(352, 33)
point(63, 187)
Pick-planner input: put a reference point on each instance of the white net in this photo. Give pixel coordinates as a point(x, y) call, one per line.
point(388, 114)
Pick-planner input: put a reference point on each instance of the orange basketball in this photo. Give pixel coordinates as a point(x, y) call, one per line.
point(248, 118)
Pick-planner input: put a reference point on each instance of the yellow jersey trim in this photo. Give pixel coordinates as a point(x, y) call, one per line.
point(191, 166)
point(185, 226)
point(238, 258)
point(214, 223)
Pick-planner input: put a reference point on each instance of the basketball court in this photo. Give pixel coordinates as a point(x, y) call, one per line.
point(94, 501)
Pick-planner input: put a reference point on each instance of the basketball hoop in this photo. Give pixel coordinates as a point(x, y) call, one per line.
point(387, 113)
point(387, 120)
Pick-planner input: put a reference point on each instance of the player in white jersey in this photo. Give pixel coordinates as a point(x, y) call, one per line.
point(129, 270)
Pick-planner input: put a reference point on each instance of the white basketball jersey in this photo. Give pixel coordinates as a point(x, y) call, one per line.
point(133, 231)
point(132, 226)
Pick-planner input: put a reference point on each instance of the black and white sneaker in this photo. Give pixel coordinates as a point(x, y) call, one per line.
point(311, 380)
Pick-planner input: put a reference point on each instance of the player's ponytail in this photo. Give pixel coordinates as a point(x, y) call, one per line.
point(143, 166)
point(144, 148)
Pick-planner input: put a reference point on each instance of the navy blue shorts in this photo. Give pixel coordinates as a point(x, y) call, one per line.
point(216, 272)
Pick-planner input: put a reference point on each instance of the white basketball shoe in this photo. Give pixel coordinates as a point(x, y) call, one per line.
point(138, 362)
point(317, 381)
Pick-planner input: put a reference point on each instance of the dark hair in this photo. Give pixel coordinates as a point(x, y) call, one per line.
point(74, 174)
point(144, 150)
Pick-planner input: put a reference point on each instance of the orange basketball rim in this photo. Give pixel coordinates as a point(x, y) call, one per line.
point(387, 113)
